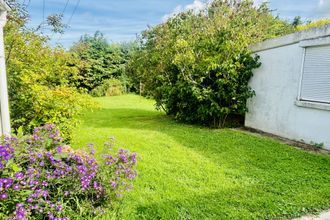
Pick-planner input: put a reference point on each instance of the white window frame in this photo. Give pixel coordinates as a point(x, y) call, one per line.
point(309, 103)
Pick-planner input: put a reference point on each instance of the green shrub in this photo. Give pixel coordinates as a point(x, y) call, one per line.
point(39, 81)
point(42, 178)
point(60, 105)
point(197, 66)
point(110, 87)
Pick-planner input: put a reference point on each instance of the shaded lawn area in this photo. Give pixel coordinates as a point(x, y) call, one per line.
point(189, 172)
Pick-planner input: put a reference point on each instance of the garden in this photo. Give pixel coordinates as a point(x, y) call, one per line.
point(149, 129)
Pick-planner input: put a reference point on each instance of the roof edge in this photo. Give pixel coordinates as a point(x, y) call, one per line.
point(312, 33)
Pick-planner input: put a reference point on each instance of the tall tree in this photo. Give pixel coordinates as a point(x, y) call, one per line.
point(99, 60)
point(197, 65)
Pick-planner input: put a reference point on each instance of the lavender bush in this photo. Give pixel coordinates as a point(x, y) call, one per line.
point(42, 178)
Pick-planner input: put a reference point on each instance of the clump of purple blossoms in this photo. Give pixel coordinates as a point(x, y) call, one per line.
point(40, 172)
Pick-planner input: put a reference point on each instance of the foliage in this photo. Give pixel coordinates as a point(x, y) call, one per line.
point(19, 13)
point(317, 23)
point(296, 21)
point(42, 178)
point(60, 105)
point(110, 87)
point(38, 80)
point(191, 172)
point(128, 51)
point(197, 66)
point(55, 21)
point(99, 61)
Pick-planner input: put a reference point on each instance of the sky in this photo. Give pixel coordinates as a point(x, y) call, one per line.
point(122, 20)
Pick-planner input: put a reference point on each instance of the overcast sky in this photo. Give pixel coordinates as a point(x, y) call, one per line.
point(121, 20)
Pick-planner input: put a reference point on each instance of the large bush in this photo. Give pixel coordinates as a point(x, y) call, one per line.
point(110, 87)
point(197, 65)
point(42, 178)
point(39, 80)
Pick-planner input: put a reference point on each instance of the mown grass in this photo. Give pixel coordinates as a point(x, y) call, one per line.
point(189, 172)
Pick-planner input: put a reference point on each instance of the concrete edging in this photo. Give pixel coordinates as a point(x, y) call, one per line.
point(312, 33)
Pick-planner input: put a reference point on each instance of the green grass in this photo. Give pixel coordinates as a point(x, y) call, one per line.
point(189, 172)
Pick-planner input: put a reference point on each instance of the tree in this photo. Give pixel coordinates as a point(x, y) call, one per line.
point(197, 65)
point(99, 60)
point(297, 21)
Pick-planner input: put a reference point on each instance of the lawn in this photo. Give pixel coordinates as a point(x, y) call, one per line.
point(190, 172)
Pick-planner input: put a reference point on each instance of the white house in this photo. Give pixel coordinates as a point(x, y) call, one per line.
point(293, 87)
point(4, 106)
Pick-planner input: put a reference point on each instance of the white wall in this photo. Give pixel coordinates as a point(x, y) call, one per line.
point(4, 105)
point(1, 133)
point(275, 109)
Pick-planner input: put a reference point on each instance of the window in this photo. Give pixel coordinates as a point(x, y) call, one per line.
point(315, 80)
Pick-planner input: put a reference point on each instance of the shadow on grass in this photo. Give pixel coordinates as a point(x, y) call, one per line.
point(243, 151)
point(284, 181)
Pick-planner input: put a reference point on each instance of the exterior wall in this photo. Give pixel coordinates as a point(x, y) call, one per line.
point(1, 132)
point(4, 105)
point(275, 108)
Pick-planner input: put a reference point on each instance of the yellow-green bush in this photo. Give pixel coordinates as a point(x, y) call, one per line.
point(39, 81)
point(313, 24)
point(111, 87)
point(59, 105)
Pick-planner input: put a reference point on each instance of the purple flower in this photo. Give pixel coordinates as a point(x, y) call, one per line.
point(36, 137)
point(6, 182)
point(49, 127)
point(20, 212)
point(95, 185)
point(3, 196)
point(51, 216)
point(133, 158)
point(59, 149)
point(59, 208)
point(19, 176)
point(44, 194)
point(113, 184)
point(6, 152)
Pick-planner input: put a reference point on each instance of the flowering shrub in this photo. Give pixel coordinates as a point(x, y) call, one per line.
point(42, 178)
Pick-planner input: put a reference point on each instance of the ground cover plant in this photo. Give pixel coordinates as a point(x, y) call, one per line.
point(191, 172)
point(42, 178)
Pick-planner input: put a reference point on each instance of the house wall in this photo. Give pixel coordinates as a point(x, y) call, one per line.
point(4, 105)
point(1, 133)
point(276, 107)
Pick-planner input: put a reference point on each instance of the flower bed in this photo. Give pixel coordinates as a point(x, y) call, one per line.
point(42, 178)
